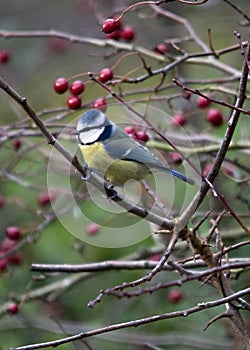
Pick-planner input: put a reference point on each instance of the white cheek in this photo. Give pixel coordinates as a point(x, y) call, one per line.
point(90, 136)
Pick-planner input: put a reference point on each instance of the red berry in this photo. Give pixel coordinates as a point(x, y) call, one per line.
point(16, 144)
point(118, 22)
point(3, 264)
point(179, 119)
point(7, 244)
point(101, 104)
point(175, 158)
point(1, 201)
point(186, 94)
point(229, 169)
point(115, 35)
point(105, 75)
point(12, 308)
point(136, 133)
point(92, 229)
point(155, 257)
point(127, 33)
point(141, 135)
point(174, 296)
point(133, 136)
point(129, 130)
point(74, 102)
point(214, 117)
point(109, 25)
point(207, 169)
point(202, 102)
point(61, 85)
point(77, 87)
point(13, 232)
point(161, 48)
point(58, 45)
point(45, 198)
point(15, 259)
point(4, 56)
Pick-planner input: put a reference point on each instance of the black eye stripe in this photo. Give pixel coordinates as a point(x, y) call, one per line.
point(79, 139)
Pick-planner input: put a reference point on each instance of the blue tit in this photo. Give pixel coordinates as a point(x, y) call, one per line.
point(111, 152)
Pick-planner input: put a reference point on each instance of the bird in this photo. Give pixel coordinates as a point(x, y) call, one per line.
point(109, 151)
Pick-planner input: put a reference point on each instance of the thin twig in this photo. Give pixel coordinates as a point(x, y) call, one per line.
point(233, 121)
point(138, 322)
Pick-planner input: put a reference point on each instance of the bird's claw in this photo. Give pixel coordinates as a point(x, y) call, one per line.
point(110, 192)
point(87, 176)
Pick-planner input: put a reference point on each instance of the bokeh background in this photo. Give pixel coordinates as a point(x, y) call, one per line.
point(34, 65)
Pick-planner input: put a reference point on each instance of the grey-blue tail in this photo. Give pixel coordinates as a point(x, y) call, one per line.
point(181, 176)
point(171, 171)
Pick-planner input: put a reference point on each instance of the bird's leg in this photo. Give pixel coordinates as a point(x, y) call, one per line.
point(88, 174)
point(108, 187)
point(110, 191)
point(89, 171)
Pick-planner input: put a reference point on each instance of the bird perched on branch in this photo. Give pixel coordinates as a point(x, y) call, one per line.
point(110, 151)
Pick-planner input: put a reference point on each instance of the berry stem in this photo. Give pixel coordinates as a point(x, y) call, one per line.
point(219, 102)
point(139, 4)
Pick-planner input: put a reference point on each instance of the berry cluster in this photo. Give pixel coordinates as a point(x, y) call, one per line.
point(13, 233)
point(136, 133)
point(113, 29)
point(61, 85)
point(213, 115)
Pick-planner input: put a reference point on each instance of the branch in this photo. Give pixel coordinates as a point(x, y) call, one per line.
point(138, 322)
point(7, 34)
point(135, 265)
point(225, 144)
point(209, 98)
point(204, 277)
point(131, 208)
point(196, 58)
point(148, 277)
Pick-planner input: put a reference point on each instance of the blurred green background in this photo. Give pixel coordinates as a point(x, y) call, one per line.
point(34, 65)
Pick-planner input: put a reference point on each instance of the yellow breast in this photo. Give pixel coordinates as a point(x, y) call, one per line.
point(115, 171)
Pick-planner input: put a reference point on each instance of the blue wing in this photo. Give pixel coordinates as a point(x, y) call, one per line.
point(121, 146)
